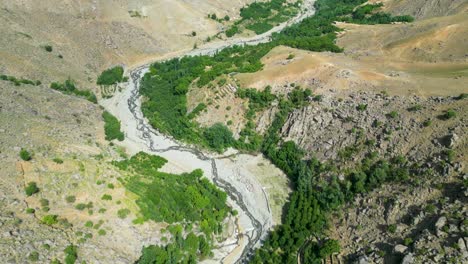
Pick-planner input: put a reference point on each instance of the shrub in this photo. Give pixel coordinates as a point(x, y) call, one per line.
point(462, 96)
point(31, 189)
point(232, 31)
point(44, 202)
point(106, 197)
point(30, 210)
point(88, 224)
point(50, 220)
point(48, 48)
point(449, 155)
point(427, 123)
point(80, 206)
point(393, 114)
point(415, 108)
point(194, 33)
point(450, 114)
point(68, 87)
point(71, 254)
point(70, 199)
point(430, 208)
point(33, 256)
point(318, 98)
point(329, 247)
point(123, 213)
point(111, 76)
point(391, 229)
point(58, 160)
point(110, 186)
point(361, 107)
point(408, 241)
point(25, 155)
point(102, 232)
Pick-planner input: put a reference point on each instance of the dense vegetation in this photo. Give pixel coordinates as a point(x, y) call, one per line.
point(218, 137)
point(260, 17)
point(68, 87)
point(182, 249)
point(168, 82)
point(187, 198)
point(174, 198)
point(112, 127)
point(18, 82)
point(317, 192)
point(314, 195)
point(111, 76)
point(367, 14)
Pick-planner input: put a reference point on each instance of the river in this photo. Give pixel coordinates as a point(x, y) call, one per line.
point(237, 174)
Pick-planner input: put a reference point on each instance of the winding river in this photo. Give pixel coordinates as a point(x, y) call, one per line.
point(231, 171)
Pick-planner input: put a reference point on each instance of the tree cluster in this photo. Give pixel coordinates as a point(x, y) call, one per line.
point(68, 87)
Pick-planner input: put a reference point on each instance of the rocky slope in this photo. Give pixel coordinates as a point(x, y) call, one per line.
point(90, 36)
point(69, 159)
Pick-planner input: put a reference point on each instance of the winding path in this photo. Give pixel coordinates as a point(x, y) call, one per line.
point(140, 136)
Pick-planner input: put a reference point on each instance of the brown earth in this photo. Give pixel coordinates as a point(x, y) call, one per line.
point(94, 35)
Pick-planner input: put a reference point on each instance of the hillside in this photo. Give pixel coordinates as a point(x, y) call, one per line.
point(91, 36)
point(278, 131)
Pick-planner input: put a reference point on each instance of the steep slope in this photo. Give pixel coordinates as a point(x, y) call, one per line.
point(70, 167)
point(93, 35)
point(421, 9)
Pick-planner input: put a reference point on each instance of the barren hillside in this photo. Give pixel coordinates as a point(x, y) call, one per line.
point(93, 35)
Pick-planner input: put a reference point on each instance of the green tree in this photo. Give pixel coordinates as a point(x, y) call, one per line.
point(71, 254)
point(31, 188)
point(111, 76)
point(112, 127)
point(219, 137)
point(25, 155)
point(329, 247)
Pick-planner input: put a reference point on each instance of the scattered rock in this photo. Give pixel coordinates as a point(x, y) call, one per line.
point(400, 248)
point(408, 259)
point(440, 222)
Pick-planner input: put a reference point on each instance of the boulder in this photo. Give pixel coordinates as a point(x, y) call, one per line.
point(408, 259)
point(441, 222)
point(400, 248)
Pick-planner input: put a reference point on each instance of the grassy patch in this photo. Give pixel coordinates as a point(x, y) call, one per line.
point(112, 127)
